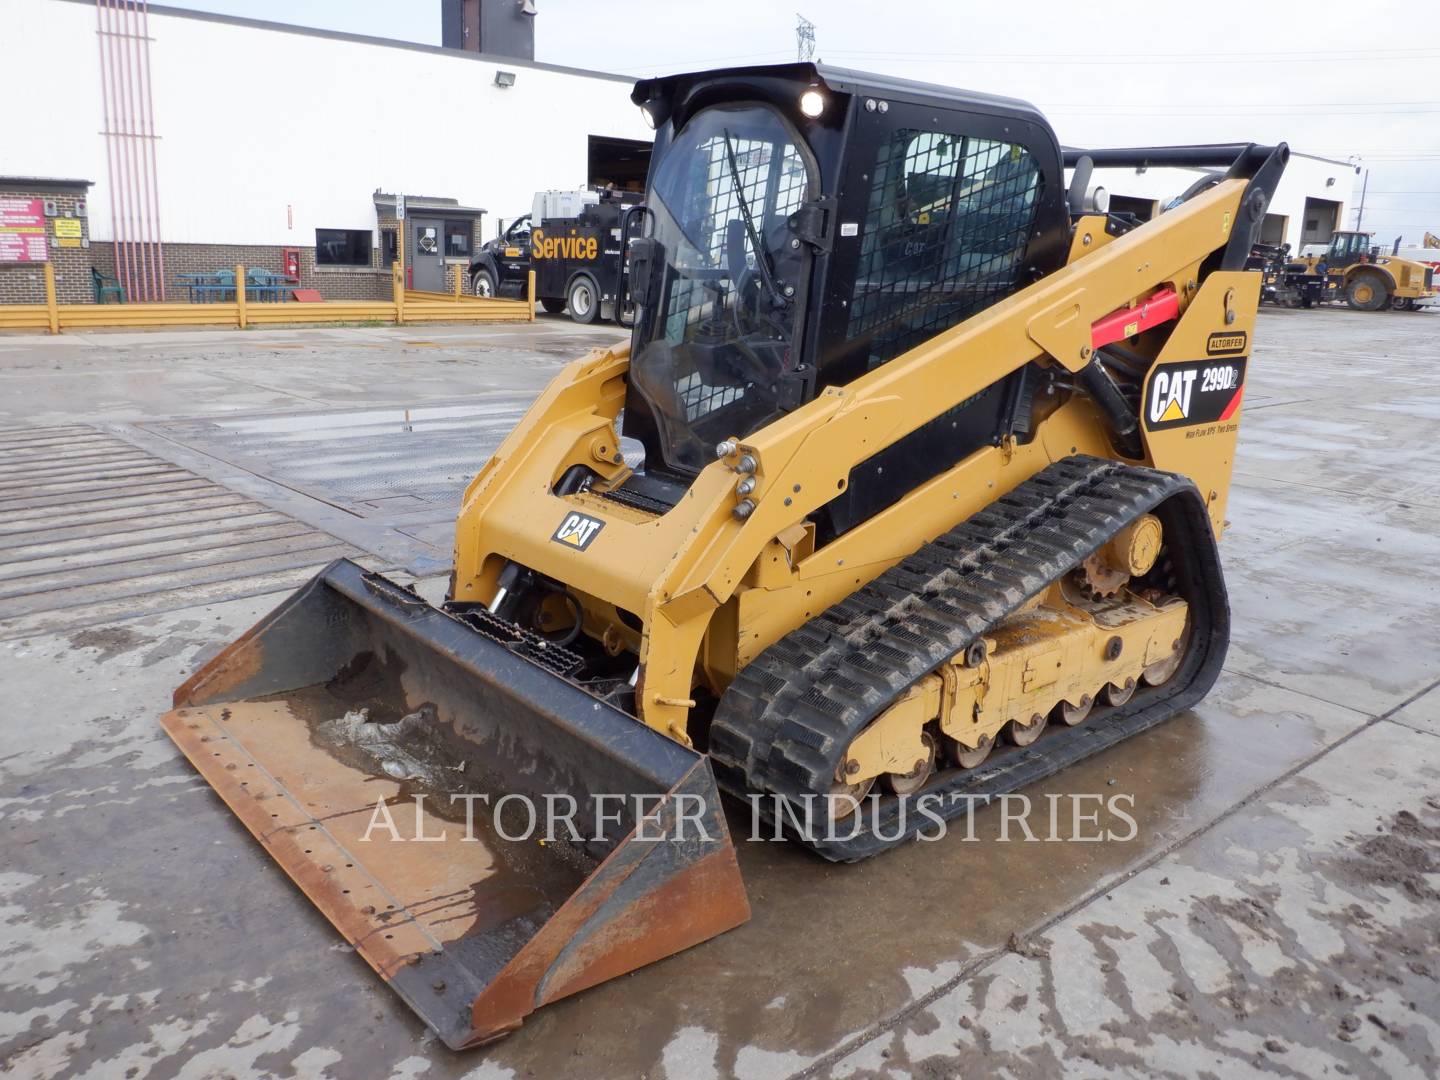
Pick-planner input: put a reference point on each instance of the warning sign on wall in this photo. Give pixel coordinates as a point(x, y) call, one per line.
point(22, 231)
point(67, 232)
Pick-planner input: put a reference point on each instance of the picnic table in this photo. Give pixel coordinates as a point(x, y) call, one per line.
point(260, 285)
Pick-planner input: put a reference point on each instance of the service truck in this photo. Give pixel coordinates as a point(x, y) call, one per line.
point(575, 243)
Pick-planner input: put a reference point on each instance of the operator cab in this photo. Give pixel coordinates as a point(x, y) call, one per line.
point(805, 225)
point(1349, 247)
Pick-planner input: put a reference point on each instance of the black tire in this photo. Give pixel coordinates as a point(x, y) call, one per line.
point(1401, 303)
point(1368, 292)
point(583, 300)
point(552, 305)
point(482, 283)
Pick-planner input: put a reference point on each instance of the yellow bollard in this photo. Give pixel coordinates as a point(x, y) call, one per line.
point(52, 309)
point(240, 295)
point(530, 293)
point(397, 284)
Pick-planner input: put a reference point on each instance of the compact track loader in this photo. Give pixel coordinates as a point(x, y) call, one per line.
point(907, 487)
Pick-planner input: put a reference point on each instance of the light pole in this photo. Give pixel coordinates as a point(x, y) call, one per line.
point(1364, 187)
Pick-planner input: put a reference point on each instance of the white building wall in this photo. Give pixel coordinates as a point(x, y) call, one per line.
point(50, 92)
point(1304, 178)
point(268, 134)
point(253, 121)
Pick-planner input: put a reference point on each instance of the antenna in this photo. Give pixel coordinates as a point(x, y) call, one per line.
point(804, 38)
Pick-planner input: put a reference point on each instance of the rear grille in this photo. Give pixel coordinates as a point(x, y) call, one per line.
point(548, 654)
point(635, 500)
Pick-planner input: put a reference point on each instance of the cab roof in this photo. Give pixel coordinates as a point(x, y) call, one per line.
point(840, 80)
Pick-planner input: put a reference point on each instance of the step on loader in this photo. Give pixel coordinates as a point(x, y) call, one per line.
point(907, 487)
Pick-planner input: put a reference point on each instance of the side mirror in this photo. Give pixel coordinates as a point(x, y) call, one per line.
point(646, 260)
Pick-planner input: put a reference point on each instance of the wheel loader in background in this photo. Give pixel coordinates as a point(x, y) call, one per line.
point(934, 466)
point(1355, 270)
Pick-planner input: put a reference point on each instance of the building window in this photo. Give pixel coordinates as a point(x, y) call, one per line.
point(457, 238)
point(342, 247)
point(389, 247)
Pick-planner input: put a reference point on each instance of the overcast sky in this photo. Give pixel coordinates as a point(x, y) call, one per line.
point(1331, 77)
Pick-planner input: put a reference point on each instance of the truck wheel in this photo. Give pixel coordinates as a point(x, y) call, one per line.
point(483, 283)
point(552, 305)
point(1367, 292)
point(583, 300)
point(1400, 303)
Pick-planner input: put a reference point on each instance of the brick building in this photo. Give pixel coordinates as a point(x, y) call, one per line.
point(61, 208)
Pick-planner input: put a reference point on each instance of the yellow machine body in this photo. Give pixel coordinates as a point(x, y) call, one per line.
point(712, 592)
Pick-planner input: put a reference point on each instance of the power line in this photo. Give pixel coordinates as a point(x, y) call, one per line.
point(1425, 50)
point(1139, 60)
point(1367, 151)
point(1383, 157)
point(1110, 59)
point(1383, 108)
point(1298, 104)
point(777, 55)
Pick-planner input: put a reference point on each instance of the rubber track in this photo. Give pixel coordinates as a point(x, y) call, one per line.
point(785, 721)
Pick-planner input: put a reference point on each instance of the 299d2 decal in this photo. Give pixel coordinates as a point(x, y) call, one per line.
point(1194, 392)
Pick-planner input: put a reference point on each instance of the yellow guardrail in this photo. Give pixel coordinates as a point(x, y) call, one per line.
point(405, 306)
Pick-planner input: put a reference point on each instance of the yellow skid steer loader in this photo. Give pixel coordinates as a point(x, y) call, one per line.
point(906, 488)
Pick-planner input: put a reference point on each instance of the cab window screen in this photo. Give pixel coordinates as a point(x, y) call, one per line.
point(771, 181)
point(716, 350)
point(944, 236)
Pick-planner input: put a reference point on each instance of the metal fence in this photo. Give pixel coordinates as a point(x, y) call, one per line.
point(404, 306)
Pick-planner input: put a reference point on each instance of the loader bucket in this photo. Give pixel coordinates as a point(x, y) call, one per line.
point(341, 730)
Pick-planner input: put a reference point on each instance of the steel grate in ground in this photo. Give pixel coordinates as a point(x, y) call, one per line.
point(93, 529)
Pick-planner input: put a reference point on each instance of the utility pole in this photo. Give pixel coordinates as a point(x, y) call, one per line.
point(1360, 213)
point(804, 38)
